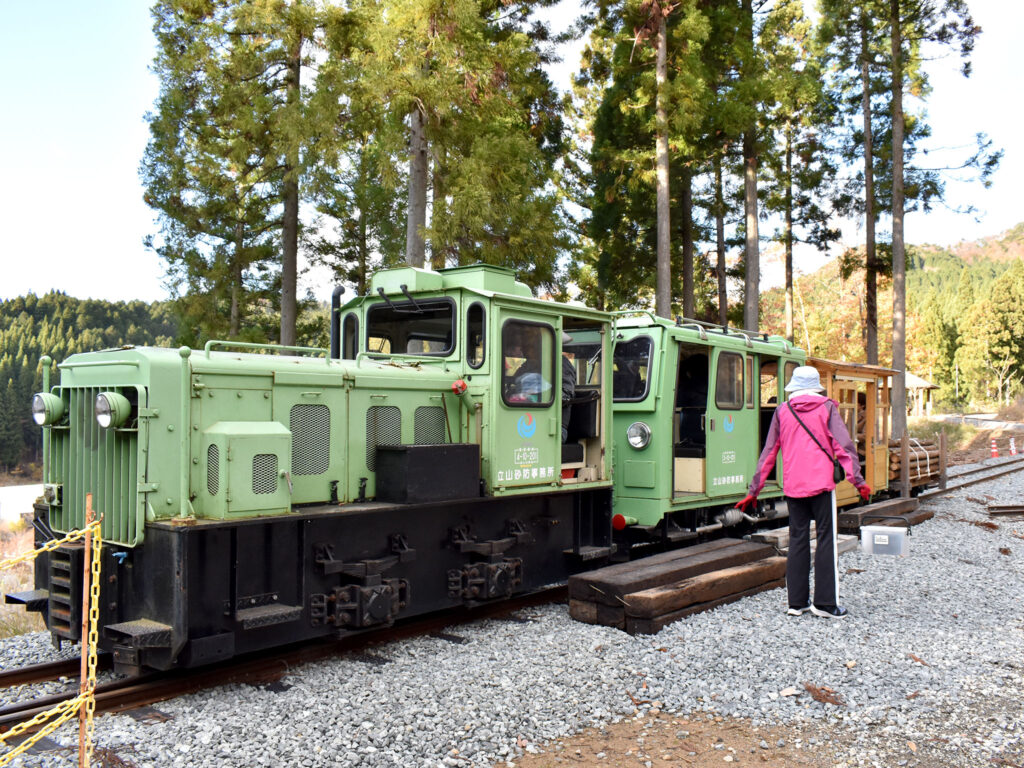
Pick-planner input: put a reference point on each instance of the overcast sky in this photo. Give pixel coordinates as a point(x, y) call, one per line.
point(72, 133)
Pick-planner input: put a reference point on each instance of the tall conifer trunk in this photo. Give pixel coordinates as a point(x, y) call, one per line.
point(662, 291)
point(789, 232)
point(899, 288)
point(689, 309)
point(752, 296)
point(723, 296)
point(290, 227)
point(234, 323)
point(415, 248)
point(870, 263)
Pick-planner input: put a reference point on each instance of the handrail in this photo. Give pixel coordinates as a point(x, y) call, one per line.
point(254, 345)
point(98, 363)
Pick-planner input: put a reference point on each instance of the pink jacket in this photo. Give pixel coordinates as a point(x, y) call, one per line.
point(806, 470)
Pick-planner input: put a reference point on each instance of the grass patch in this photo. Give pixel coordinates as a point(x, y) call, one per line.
point(958, 436)
point(1012, 412)
point(16, 538)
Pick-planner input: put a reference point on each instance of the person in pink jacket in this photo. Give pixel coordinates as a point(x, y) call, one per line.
point(807, 472)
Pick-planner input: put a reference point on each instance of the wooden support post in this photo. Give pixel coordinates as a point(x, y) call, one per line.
point(83, 758)
point(905, 465)
point(942, 459)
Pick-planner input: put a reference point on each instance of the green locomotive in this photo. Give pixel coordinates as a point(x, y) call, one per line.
point(455, 445)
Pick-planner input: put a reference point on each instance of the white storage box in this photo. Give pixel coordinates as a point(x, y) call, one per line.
point(883, 540)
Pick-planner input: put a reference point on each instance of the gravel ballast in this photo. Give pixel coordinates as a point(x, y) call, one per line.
point(932, 654)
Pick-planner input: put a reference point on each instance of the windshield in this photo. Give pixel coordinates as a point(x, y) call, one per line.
point(424, 328)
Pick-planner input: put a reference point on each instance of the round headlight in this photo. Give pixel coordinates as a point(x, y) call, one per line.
point(47, 409)
point(638, 434)
point(112, 409)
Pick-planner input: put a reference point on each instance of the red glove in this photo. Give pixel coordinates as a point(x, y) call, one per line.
point(865, 492)
point(747, 501)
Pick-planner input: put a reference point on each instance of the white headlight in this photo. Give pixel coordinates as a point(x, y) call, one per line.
point(638, 434)
point(112, 409)
point(47, 409)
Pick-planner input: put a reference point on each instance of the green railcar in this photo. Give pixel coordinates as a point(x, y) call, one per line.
point(693, 404)
point(254, 495)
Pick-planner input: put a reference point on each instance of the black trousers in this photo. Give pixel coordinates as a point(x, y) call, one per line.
point(798, 564)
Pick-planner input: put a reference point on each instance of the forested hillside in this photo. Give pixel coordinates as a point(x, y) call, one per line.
point(965, 316)
point(59, 325)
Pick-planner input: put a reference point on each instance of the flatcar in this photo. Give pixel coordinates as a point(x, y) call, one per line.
point(460, 442)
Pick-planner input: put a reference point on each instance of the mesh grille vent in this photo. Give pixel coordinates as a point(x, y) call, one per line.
point(311, 439)
point(429, 425)
point(264, 473)
point(213, 470)
point(383, 427)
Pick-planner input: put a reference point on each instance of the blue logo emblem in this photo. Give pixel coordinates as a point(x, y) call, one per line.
point(527, 425)
point(730, 425)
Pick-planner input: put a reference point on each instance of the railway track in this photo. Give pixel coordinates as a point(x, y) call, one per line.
point(254, 669)
point(987, 473)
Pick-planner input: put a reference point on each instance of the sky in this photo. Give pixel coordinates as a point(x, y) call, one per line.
point(72, 133)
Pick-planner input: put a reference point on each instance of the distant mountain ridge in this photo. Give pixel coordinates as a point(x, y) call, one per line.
point(1006, 246)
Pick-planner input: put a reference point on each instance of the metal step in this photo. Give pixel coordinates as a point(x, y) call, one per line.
point(267, 615)
point(140, 633)
point(33, 600)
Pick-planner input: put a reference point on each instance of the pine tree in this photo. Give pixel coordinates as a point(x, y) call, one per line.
point(11, 440)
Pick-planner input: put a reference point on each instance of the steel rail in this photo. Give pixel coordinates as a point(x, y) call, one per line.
point(986, 468)
point(270, 665)
point(1018, 465)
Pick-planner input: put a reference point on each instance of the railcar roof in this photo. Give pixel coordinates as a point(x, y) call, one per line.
point(692, 330)
point(486, 280)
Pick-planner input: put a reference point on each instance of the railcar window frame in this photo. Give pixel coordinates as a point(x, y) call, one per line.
point(508, 380)
point(645, 378)
point(350, 336)
point(471, 360)
point(737, 397)
point(412, 309)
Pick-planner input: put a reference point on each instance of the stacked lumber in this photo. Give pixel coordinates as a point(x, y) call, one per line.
point(850, 520)
point(924, 461)
point(644, 595)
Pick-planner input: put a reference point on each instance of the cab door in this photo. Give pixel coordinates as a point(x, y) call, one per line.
point(731, 425)
point(526, 437)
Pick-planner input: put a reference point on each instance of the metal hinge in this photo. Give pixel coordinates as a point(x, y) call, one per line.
point(148, 413)
point(148, 487)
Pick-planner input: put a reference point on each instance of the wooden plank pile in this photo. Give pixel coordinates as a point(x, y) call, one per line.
point(644, 595)
point(924, 461)
point(850, 520)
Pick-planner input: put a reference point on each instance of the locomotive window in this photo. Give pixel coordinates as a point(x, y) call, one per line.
point(729, 382)
point(425, 327)
point(769, 383)
point(631, 364)
point(528, 357)
point(475, 329)
point(349, 336)
point(790, 367)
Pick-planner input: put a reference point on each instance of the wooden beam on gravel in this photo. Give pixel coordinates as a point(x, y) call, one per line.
point(610, 585)
point(706, 587)
point(638, 626)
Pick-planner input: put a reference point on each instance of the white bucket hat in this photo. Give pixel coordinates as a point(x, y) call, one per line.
point(805, 377)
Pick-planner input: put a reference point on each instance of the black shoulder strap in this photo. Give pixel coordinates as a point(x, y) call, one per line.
point(793, 411)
